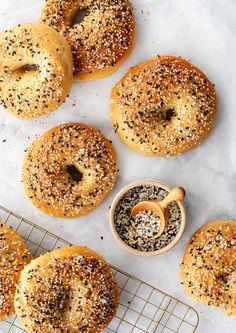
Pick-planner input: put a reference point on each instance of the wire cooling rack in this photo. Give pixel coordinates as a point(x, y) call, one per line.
point(143, 308)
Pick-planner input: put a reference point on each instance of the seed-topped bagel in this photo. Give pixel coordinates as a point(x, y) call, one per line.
point(69, 170)
point(163, 107)
point(14, 255)
point(70, 290)
point(208, 269)
point(104, 38)
point(36, 70)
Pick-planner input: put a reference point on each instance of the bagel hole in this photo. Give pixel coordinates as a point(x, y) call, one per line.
point(75, 174)
point(170, 114)
point(224, 278)
point(157, 115)
point(26, 68)
point(30, 67)
point(82, 13)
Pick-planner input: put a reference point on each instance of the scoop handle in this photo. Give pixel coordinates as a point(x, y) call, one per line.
point(178, 193)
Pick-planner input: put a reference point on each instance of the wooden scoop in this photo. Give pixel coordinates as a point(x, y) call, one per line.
point(159, 207)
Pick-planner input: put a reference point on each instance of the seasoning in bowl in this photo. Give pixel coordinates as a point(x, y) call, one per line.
point(146, 223)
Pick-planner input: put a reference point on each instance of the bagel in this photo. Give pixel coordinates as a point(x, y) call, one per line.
point(208, 269)
point(68, 171)
point(104, 38)
point(14, 255)
point(36, 70)
point(163, 107)
point(68, 290)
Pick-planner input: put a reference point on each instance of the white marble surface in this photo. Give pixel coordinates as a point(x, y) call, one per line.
point(201, 30)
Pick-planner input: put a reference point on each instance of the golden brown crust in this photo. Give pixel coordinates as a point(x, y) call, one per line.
point(69, 170)
point(163, 107)
point(68, 290)
point(104, 38)
point(208, 269)
point(14, 255)
point(35, 70)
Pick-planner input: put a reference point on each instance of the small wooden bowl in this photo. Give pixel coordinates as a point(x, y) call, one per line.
point(117, 198)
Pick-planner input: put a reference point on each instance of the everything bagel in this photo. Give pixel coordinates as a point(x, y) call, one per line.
point(36, 70)
point(69, 170)
point(14, 255)
point(104, 38)
point(163, 107)
point(70, 290)
point(208, 269)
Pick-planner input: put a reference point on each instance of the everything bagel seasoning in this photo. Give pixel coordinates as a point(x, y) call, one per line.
point(124, 222)
point(146, 224)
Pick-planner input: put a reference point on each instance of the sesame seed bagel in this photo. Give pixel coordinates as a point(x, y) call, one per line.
point(13, 257)
point(36, 70)
point(104, 38)
point(208, 269)
point(69, 170)
point(68, 290)
point(163, 107)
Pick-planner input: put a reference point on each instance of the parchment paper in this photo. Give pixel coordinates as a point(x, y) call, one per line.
point(203, 31)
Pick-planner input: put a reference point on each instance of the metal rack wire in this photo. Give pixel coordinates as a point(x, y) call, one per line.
point(143, 308)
